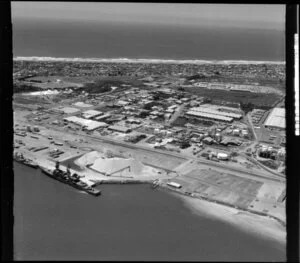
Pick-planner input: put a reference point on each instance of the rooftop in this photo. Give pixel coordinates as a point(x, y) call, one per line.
point(88, 124)
point(276, 118)
point(91, 113)
point(209, 115)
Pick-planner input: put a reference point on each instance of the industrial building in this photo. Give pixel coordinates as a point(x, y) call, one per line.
point(215, 111)
point(82, 104)
point(87, 124)
point(276, 119)
point(69, 110)
point(103, 117)
point(91, 114)
point(209, 116)
point(119, 128)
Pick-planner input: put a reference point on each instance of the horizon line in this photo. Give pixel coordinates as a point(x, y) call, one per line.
point(143, 60)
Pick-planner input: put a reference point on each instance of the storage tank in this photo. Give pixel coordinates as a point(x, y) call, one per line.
point(156, 131)
point(214, 154)
point(222, 156)
point(236, 132)
point(173, 184)
point(218, 136)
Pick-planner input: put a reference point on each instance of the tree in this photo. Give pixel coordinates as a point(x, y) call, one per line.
point(247, 107)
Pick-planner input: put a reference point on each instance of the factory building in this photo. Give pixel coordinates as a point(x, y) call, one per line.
point(276, 119)
point(89, 114)
point(215, 111)
point(69, 110)
point(119, 128)
point(209, 116)
point(82, 104)
point(86, 124)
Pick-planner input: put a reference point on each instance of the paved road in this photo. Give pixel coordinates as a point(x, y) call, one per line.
point(176, 114)
point(251, 124)
point(173, 154)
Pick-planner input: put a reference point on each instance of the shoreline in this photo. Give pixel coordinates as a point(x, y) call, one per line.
point(223, 204)
point(266, 225)
point(147, 61)
point(263, 226)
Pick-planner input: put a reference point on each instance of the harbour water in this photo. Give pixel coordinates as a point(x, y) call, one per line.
point(54, 221)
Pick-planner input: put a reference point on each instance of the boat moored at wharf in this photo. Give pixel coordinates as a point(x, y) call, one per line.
point(72, 180)
point(18, 157)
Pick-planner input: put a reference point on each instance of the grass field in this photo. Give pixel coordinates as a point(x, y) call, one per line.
point(29, 100)
point(258, 99)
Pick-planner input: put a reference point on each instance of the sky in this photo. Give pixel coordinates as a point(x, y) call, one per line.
point(236, 15)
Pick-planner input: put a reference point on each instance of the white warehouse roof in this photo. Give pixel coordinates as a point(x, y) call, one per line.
point(88, 124)
point(69, 110)
point(276, 118)
point(91, 113)
point(216, 112)
point(209, 116)
point(82, 104)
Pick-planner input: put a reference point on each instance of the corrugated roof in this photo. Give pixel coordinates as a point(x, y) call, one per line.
point(209, 115)
point(276, 118)
point(119, 128)
point(89, 124)
point(91, 113)
point(216, 112)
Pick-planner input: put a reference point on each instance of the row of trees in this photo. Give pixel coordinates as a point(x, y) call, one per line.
point(18, 88)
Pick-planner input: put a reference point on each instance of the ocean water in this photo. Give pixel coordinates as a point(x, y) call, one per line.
point(104, 40)
point(128, 222)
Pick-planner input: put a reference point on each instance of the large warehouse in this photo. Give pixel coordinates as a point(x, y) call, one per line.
point(91, 114)
point(209, 116)
point(87, 124)
point(276, 119)
point(215, 111)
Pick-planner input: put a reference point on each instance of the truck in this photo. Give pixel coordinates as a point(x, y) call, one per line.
point(174, 185)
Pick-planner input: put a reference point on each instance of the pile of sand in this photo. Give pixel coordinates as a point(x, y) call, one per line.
point(98, 162)
point(112, 165)
point(88, 159)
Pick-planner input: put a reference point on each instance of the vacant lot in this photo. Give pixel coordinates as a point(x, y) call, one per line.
point(258, 99)
point(32, 100)
point(222, 187)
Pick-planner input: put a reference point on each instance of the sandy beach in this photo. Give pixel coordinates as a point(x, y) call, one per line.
point(265, 227)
